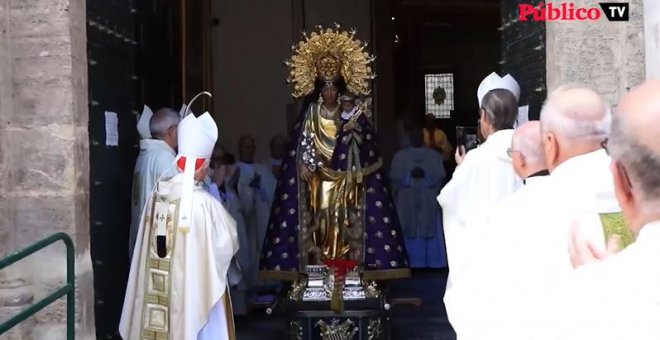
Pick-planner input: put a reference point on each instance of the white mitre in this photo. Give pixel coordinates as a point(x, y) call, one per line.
point(493, 82)
point(196, 137)
point(143, 123)
point(510, 83)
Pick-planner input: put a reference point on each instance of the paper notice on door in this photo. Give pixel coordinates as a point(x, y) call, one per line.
point(111, 129)
point(523, 115)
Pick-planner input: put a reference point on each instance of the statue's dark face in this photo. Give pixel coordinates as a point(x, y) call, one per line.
point(330, 95)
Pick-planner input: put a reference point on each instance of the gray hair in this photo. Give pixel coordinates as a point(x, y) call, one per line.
point(501, 108)
point(163, 120)
point(530, 148)
point(641, 163)
point(567, 122)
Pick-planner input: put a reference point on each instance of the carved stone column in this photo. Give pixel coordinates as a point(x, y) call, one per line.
point(45, 161)
point(16, 295)
point(606, 56)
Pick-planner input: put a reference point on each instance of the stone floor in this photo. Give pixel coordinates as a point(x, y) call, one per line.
point(427, 322)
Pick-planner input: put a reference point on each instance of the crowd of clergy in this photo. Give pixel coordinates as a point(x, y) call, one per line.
point(552, 228)
point(520, 224)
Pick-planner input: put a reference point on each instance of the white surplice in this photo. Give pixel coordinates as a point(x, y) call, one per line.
point(270, 180)
point(486, 303)
point(417, 209)
point(484, 178)
point(255, 205)
point(616, 299)
point(241, 265)
point(181, 296)
point(522, 254)
point(481, 182)
point(156, 159)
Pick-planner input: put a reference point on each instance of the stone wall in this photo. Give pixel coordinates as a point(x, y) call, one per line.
point(652, 38)
point(44, 177)
point(606, 56)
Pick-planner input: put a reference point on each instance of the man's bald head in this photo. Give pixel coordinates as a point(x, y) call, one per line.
point(527, 140)
point(576, 113)
point(574, 121)
point(638, 115)
point(526, 149)
point(634, 145)
point(163, 125)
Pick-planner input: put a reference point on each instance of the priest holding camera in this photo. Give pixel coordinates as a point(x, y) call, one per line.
point(484, 176)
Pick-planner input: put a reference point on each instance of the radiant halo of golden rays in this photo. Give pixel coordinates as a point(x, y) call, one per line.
point(329, 53)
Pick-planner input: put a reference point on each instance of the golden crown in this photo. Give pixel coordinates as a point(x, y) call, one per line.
point(328, 55)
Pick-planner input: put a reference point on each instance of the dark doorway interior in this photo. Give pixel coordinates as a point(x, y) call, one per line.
point(135, 58)
point(452, 44)
point(113, 86)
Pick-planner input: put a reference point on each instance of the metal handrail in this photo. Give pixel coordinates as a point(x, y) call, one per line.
point(68, 290)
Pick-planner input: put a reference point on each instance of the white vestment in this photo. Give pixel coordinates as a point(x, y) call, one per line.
point(417, 209)
point(241, 264)
point(485, 177)
point(156, 159)
point(255, 204)
point(270, 181)
point(484, 304)
point(521, 255)
point(616, 299)
point(183, 295)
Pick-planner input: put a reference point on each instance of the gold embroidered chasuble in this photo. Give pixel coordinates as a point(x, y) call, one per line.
point(182, 294)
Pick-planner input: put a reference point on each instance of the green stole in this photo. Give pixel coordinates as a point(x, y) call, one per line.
point(615, 224)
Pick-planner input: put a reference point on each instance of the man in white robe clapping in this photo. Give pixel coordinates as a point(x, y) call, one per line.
point(613, 297)
point(482, 179)
point(534, 259)
point(224, 181)
point(253, 192)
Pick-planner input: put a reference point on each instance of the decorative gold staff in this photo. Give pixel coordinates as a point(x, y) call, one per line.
point(193, 100)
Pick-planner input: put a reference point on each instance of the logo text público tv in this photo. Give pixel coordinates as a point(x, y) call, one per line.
point(613, 11)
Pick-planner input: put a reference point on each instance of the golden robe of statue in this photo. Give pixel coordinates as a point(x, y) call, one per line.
point(334, 197)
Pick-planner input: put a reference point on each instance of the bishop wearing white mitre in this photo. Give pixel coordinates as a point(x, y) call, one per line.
point(483, 177)
point(177, 287)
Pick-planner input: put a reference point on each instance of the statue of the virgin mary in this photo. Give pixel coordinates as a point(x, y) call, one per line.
point(332, 200)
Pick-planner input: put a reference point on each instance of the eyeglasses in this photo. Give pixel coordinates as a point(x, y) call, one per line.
point(603, 145)
point(510, 151)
